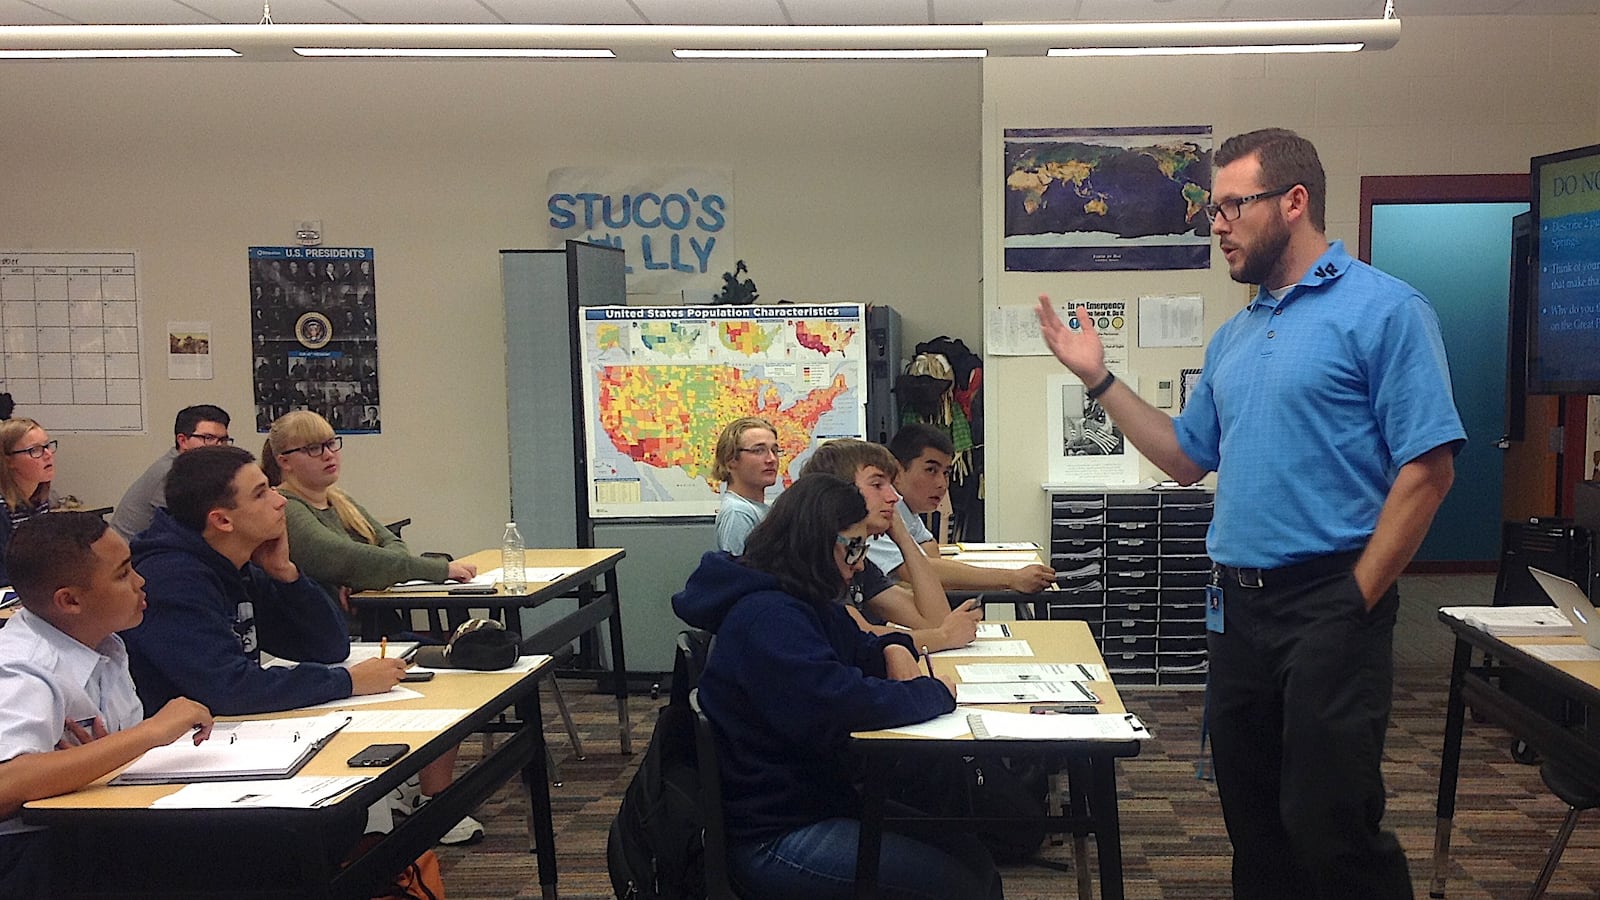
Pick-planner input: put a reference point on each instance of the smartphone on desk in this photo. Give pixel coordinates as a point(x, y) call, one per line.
point(1061, 709)
point(475, 590)
point(417, 675)
point(378, 755)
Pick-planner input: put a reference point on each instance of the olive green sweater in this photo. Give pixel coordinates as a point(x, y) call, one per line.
point(324, 550)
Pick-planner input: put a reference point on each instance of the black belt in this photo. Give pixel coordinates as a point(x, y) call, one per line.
point(1299, 573)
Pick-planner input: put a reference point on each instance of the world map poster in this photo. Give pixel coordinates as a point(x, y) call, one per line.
point(1102, 199)
point(661, 382)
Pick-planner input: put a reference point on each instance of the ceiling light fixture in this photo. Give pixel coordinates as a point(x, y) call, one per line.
point(269, 41)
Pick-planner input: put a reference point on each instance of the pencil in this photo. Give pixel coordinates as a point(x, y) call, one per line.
point(383, 647)
point(927, 660)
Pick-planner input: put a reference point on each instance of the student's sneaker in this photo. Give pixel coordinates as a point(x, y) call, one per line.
point(466, 831)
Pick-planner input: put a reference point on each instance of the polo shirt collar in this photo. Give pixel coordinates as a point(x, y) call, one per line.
point(1333, 263)
point(76, 662)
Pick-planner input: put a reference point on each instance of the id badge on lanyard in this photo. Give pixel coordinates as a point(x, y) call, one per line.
point(1214, 618)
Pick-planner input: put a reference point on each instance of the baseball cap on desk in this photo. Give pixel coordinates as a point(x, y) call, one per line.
point(481, 644)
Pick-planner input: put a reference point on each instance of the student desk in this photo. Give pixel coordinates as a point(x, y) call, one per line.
point(104, 832)
point(1479, 686)
point(593, 606)
point(1091, 765)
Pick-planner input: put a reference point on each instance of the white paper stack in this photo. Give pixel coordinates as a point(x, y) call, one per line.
point(1514, 621)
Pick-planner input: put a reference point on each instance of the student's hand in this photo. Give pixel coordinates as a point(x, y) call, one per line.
point(960, 627)
point(179, 717)
point(375, 676)
point(899, 663)
point(273, 557)
point(460, 571)
point(1080, 351)
point(1030, 579)
point(344, 598)
point(96, 730)
point(901, 535)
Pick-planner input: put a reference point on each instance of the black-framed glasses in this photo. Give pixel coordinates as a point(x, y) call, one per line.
point(1230, 209)
point(37, 451)
point(854, 548)
point(210, 440)
point(319, 450)
point(762, 450)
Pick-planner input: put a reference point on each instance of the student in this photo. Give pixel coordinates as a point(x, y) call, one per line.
point(333, 538)
point(339, 544)
point(925, 453)
point(195, 426)
point(789, 678)
point(923, 608)
point(746, 462)
point(64, 681)
point(25, 475)
point(223, 588)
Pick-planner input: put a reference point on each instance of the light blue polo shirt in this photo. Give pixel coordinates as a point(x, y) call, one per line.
point(1309, 405)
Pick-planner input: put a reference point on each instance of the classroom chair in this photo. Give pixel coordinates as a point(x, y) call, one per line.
point(1579, 795)
point(719, 886)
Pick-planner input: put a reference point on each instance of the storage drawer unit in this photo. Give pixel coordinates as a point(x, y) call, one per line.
point(1140, 569)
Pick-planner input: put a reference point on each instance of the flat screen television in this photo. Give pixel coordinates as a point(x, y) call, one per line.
point(1564, 325)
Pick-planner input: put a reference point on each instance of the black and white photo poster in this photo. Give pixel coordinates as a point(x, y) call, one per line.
point(314, 335)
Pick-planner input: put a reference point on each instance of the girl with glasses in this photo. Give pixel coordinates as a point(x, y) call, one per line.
point(788, 679)
point(334, 540)
point(26, 470)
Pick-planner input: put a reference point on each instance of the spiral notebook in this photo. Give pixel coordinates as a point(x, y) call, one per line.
point(237, 751)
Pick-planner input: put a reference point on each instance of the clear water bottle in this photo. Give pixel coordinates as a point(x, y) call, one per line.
point(512, 575)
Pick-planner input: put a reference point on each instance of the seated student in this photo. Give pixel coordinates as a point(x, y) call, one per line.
point(333, 538)
point(339, 544)
point(789, 678)
point(64, 681)
point(194, 426)
point(223, 588)
point(923, 608)
point(924, 453)
point(746, 462)
point(28, 467)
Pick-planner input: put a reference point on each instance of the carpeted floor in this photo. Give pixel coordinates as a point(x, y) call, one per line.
point(1174, 845)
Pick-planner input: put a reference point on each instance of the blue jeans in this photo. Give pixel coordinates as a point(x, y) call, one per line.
point(819, 861)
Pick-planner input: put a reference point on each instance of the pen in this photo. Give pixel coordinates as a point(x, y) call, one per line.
point(927, 660)
point(383, 647)
point(1135, 724)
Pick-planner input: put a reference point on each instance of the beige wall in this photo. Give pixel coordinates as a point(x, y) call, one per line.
point(852, 182)
point(1457, 95)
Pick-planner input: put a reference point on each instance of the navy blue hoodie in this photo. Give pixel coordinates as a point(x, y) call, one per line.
point(785, 686)
point(208, 621)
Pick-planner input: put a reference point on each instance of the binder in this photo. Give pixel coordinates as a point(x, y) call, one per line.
point(237, 751)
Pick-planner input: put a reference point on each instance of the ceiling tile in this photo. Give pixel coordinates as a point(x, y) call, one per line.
point(975, 12)
point(112, 12)
point(464, 12)
point(1151, 10)
point(712, 12)
point(856, 12)
point(284, 12)
point(566, 12)
point(15, 12)
point(1301, 9)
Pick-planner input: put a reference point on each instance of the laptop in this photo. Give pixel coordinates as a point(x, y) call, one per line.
point(1573, 602)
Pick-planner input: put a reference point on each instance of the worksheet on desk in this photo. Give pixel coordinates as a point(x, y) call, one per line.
point(995, 672)
point(1024, 692)
point(989, 648)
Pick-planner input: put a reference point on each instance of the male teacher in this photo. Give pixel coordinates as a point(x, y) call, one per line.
point(1325, 410)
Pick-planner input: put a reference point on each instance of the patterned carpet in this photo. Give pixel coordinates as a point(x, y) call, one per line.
point(1173, 840)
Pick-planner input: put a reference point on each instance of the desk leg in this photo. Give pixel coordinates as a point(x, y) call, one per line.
point(619, 668)
point(1449, 768)
point(869, 843)
point(1107, 827)
point(536, 782)
point(1077, 808)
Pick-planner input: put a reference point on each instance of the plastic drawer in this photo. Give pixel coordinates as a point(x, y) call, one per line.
point(1123, 547)
point(1122, 629)
point(1140, 530)
point(1133, 498)
point(1143, 676)
point(1122, 645)
point(1182, 646)
point(1186, 513)
point(1140, 578)
point(1182, 546)
point(1186, 564)
point(1184, 531)
point(1133, 565)
point(1147, 598)
point(1171, 580)
point(1180, 629)
point(1116, 514)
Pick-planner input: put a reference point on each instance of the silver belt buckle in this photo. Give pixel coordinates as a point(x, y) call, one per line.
point(1249, 578)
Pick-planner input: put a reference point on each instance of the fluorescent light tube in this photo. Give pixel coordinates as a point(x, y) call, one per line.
point(974, 53)
point(1205, 51)
point(459, 52)
point(120, 53)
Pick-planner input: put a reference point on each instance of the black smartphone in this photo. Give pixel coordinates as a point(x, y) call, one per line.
point(475, 590)
point(378, 755)
point(1059, 709)
point(416, 675)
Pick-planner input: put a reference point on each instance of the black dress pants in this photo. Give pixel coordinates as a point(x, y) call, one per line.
point(1301, 686)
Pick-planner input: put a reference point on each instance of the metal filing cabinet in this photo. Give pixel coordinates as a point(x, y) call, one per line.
point(1133, 565)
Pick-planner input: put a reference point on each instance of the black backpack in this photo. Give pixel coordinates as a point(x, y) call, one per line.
point(656, 848)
